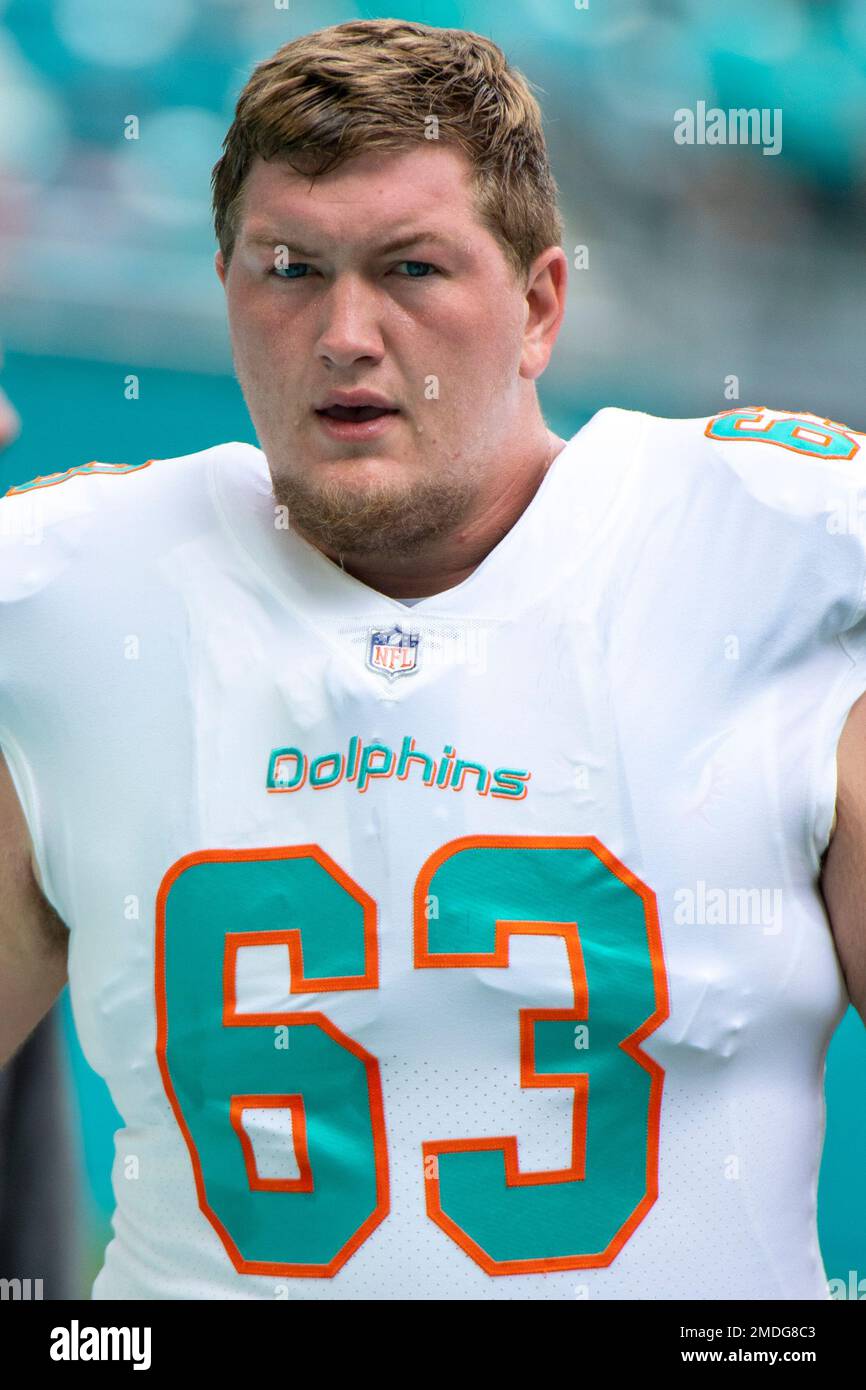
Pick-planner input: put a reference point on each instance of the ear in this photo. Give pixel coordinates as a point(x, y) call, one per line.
point(220, 267)
point(547, 285)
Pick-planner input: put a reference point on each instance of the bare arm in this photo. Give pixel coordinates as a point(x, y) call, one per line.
point(33, 939)
point(843, 874)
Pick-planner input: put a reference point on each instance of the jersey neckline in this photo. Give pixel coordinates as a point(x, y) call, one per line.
point(298, 573)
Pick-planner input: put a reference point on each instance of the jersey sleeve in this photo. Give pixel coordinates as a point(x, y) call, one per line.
point(35, 549)
point(808, 467)
point(812, 470)
point(80, 552)
point(49, 557)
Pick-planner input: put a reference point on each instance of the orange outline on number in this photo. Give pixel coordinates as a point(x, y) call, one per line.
point(764, 426)
point(295, 1103)
point(79, 470)
point(507, 1144)
point(299, 984)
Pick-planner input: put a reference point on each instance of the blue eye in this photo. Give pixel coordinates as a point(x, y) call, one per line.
point(286, 272)
point(295, 265)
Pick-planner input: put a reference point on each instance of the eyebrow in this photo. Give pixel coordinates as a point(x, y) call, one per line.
point(266, 237)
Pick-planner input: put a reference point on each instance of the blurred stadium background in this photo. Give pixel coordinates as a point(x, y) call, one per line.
point(703, 263)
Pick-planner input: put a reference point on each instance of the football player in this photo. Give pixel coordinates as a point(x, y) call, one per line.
point(546, 1016)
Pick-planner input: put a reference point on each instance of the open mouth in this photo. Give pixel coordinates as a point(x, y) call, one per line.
point(356, 413)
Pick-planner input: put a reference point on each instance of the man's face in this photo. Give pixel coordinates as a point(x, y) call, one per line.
point(434, 324)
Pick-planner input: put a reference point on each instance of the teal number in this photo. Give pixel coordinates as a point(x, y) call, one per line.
point(79, 470)
point(205, 902)
point(214, 1059)
point(795, 432)
point(511, 1222)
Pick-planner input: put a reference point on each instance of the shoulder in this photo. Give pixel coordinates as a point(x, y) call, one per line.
point(89, 486)
point(779, 456)
point(745, 439)
point(99, 513)
point(756, 502)
point(749, 467)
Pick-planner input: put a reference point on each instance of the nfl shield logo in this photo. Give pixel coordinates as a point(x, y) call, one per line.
point(393, 652)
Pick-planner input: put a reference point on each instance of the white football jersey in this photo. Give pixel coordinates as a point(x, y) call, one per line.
point(468, 949)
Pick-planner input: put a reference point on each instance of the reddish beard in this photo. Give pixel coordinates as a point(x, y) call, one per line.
point(378, 519)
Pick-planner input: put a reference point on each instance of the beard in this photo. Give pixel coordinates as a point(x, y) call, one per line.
point(378, 519)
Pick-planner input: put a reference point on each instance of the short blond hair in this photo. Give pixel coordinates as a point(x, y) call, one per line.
point(375, 84)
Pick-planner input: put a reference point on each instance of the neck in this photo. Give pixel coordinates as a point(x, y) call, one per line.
point(450, 559)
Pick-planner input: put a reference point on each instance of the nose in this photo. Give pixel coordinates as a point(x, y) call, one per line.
point(350, 330)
